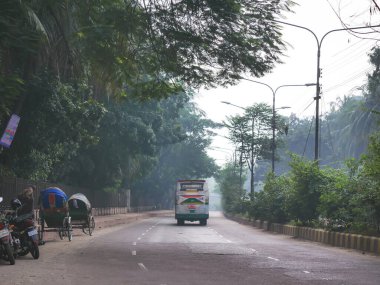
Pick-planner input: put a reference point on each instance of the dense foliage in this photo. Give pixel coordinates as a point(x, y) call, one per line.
point(148, 48)
point(233, 195)
point(344, 198)
point(109, 146)
point(186, 159)
point(103, 87)
point(336, 199)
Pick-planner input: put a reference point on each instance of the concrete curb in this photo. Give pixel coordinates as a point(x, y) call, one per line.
point(337, 239)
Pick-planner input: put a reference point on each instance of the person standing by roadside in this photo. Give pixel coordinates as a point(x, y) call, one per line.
point(27, 201)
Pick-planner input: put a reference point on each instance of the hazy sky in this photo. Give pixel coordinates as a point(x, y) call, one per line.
point(344, 64)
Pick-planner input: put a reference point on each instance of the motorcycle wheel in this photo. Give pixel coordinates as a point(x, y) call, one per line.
point(34, 250)
point(24, 251)
point(9, 253)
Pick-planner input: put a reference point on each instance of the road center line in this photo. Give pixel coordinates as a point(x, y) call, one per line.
point(134, 243)
point(275, 259)
point(142, 266)
point(307, 272)
point(134, 252)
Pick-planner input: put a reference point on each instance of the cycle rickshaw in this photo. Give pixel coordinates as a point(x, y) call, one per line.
point(81, 213)
point(54, 213)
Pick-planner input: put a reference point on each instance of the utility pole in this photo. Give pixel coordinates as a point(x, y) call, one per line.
point(318, 87)
point(274, 92)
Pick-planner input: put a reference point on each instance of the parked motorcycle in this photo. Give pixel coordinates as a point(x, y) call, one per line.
point(6, 250)
point(24, 234)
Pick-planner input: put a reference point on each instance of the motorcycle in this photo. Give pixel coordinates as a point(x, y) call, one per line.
point(24, 235)
point(6, 250)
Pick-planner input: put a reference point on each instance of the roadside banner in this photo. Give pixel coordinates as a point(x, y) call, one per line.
point(10, 131)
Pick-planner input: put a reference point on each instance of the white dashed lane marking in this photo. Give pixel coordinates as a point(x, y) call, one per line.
point(253, 250)
point(275, 259)
point(142, 267)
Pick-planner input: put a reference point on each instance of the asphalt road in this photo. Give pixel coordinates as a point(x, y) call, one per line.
point(157, 251)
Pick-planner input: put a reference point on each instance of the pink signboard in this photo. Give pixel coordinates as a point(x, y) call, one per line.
point(10, 131)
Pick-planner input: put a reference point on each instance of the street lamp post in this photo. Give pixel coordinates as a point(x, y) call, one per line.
point(274, 92)
point(318, 87)
point(274, 116)
point(273, 138)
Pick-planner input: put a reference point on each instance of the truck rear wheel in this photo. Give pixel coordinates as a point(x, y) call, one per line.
point(203, 222)
point(180, 222)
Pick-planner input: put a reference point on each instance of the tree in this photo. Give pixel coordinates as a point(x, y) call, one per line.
point(369, 196)
point(354, 118)
point(233, 195)
point(335, 207)
point(183, 159)
point(141, 44)
point(57, 122)
point(303, 196)
point(251, 133)
point(78, 63)
point(131, 136)
point(269, 204)
point(215, 40)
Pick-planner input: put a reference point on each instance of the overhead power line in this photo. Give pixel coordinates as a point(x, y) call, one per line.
point(350, 30)
point(351, 46)
point(308, 135)
point(307, 107)
point(377, 6)
point(349, 55)
point(349, 79)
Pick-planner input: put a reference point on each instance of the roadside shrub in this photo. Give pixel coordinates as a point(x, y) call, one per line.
point(269, 204)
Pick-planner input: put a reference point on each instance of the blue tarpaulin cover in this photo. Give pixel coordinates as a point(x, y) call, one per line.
point(53, 197)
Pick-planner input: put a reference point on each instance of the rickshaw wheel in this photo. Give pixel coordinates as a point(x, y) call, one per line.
point(68, 228)
point(91, 226)
point(70, 233)
point(41, 229)
point(60, 233)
